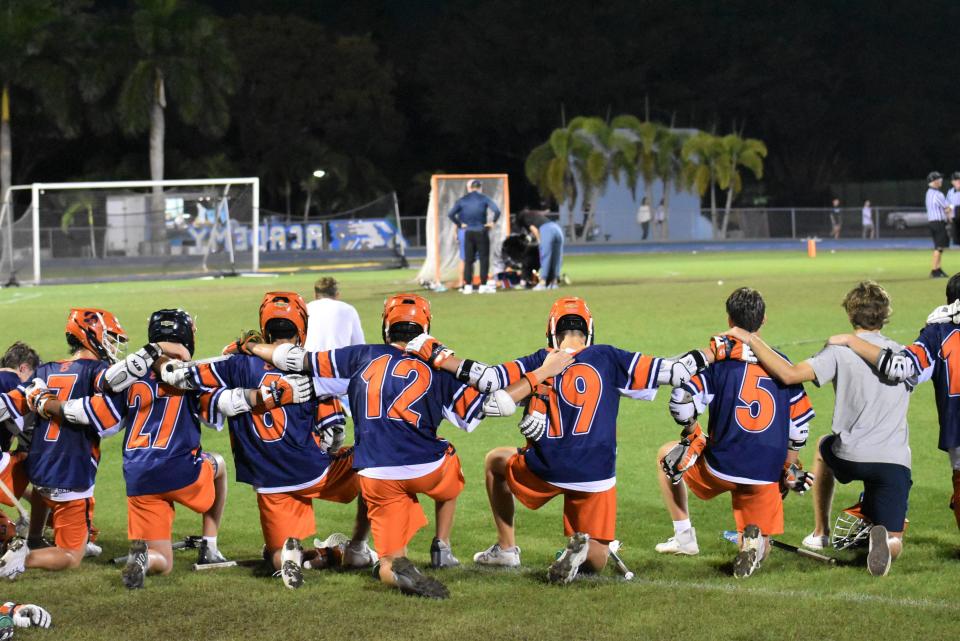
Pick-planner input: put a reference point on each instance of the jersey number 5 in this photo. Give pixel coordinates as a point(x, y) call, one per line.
point(759, 406)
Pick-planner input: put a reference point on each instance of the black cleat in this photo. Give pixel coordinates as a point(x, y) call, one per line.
point(411, 581)
point(135, 571)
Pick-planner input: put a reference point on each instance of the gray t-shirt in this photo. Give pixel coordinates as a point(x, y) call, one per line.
point(870, 413)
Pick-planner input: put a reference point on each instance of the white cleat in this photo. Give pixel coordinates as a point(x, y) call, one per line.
point(467, 289)
point(816, 542)
point(13, 562)
point(879, 558)
point(684, 543)
point(565, 568)
point(92, 550)
point(496, 556)
point(291, 563)
point(539, 287)
point(487, 289)
point(750, 555)
point(355, 555)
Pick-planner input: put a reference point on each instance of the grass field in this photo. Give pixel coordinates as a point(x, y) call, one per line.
point(659, 304)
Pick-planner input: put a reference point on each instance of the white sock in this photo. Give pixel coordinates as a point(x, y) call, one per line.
point(681, 526)
point(211, 542)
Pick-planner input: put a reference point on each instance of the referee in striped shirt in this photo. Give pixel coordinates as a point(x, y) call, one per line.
point(939, 212)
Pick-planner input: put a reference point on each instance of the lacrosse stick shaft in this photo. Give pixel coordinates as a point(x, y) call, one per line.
point(16, 502)
point(621, 566)
point(810, 554)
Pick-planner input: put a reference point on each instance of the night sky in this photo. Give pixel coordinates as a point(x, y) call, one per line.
point(839, 91)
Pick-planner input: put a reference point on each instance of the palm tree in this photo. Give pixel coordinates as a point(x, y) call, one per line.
point(24, 40)
point(736, 152)
point(700, 153)
point(640, 147)
point(575, 164)
point(182, 52)
point(669, 168)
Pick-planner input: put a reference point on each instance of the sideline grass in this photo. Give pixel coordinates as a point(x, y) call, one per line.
point(660, 304)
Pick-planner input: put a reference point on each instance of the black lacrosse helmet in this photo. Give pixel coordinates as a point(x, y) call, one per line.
point(173, 325)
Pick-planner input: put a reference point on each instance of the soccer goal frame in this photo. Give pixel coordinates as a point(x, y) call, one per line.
point(36, 189)
point(434, 213)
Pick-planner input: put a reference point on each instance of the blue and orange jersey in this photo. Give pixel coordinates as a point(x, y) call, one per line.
point(66, 456)
point(936, 355)
point(752, 419)
point(9, 381)
point(398, 402)
point(161, 440)
point(278, 448)
point(580, 446)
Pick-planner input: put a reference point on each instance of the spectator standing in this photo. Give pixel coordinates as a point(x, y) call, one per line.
point(550, 237)
point(836, 219)
point(643, 217)
point(953, 199)
point(869, 231)
point(661, 219)
point(938, 213)
point(331, 323)
point(470, 214)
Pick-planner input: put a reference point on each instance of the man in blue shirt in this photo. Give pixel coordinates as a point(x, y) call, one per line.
point(938, 213)
point(469, 213)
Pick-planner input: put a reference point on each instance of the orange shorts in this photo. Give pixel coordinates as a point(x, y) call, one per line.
point(760, 505)
point(394, 510)
point(150, 516)
point(14, 476)
point(290, 514)
point(594, 513)
point(71, 522)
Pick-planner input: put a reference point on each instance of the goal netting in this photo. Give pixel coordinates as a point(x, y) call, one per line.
point(80, 232)
point(442, 265)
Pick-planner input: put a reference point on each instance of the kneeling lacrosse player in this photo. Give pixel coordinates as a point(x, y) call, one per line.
point(756, 429)
point(398, 403)
point(571, 425)
point(290, 455)
point(870, 440)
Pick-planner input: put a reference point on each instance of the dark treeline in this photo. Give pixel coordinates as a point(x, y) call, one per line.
point(384, 93)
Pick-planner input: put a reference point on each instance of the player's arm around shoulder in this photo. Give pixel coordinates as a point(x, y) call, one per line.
point(776, 365)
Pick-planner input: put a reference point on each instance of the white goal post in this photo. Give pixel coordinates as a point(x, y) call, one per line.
point(79, 230)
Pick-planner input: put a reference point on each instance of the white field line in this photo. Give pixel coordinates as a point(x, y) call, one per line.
point(790, 595)
point(18, 298)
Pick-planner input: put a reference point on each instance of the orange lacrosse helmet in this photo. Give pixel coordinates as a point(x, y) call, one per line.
point(287, 306)
point(98, 331)
point(405, 308)
point(569, 313)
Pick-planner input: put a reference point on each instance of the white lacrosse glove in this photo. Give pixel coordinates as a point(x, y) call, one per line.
point(290, 389)
point(37, 395)
point(945, 314)
point(289, 357)
point(499, 403)
point(534, 425)
point(331, 438)
point(675, 372)
point(682, 408)
point(178, 374)
point(27, 615)
point(895, 366)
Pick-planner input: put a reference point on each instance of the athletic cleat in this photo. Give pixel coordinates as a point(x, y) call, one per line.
point(441, 556)
point(750, 555)
point(487, 289)
point(467, 289)
point(92, 550)
point(684, 543)
point(326, 557)
point(878, 558)
point(411, 581)
point(539, 287)
point(291, 563)
point(12, 563)
point(134, 573)
point(496, 556)
point(817, 542)
point(206, 556)
point(565, 568)
point(359, 555)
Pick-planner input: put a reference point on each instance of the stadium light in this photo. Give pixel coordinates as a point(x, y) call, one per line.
point(319, 173)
